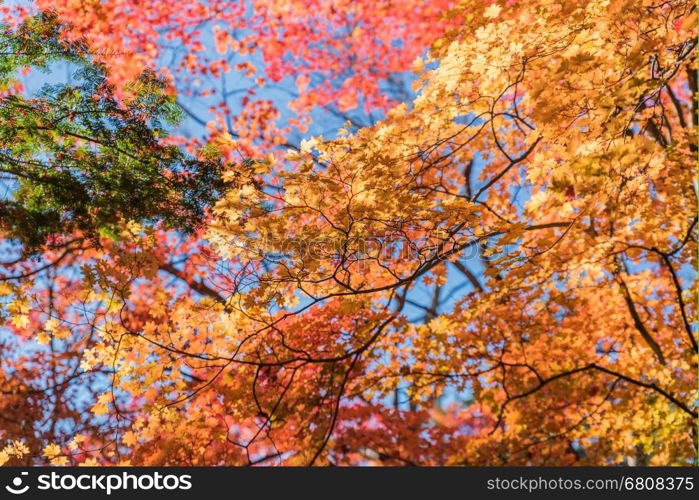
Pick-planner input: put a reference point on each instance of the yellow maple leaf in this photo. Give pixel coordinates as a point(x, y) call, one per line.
point(51, 324)
point(5, 289)
point(20, 320)
point(59, 461)
point(43, 338)
point(99, 409)
point(52, 450)
point(493, 11)
point(130, 438)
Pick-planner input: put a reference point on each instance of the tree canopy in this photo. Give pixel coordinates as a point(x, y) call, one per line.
point(492, 265)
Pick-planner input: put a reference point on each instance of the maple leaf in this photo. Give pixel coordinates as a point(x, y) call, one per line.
point(492, 11)
point(130, 438)
point(99, 409)
point(52, 450)
point(20, 320)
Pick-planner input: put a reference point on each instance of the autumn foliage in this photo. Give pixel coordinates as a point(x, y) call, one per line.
point(487, 258)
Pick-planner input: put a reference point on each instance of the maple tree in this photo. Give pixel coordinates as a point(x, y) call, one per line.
point(532, 204)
